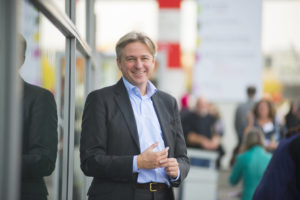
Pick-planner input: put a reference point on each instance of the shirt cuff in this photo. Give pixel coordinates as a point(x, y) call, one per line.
point(175, 179)
point(134, 165)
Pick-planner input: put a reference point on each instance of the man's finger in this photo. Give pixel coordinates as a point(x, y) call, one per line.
point(164, 151)
point(152, 146)
point(164, 162)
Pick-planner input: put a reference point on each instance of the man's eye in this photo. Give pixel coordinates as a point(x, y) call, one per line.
point(146, 59)
point(130, 59)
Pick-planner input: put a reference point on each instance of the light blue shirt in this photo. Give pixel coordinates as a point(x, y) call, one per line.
point(149, 130)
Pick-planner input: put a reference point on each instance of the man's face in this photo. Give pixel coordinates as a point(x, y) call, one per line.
point(202, 106)
point(136, 64)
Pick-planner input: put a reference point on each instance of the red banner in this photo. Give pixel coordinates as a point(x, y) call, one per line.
point(173, 53)
point(169, 3)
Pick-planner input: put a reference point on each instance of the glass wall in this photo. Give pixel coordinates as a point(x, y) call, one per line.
point(41, 68)
point(51, 93)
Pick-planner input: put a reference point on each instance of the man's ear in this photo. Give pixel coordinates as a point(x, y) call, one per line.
point(154, 60)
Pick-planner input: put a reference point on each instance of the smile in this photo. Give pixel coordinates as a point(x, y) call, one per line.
point(138, 73)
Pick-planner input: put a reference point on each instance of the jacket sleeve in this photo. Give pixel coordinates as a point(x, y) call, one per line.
point(40, 158)
point(294, 149)
point(236, 173)
point(94, 155)
point(180, 152)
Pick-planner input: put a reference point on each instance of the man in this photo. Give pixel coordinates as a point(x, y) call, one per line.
point(242, 112)
point(132, 141)
point(201, 130)
point(241, 119)
point(39, 138)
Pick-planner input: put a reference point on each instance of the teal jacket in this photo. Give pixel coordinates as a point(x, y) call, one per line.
point(250, 167)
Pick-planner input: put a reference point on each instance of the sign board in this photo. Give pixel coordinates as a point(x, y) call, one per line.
point(228, 55)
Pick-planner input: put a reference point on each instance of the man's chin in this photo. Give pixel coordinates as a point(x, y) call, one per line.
point(140, 81)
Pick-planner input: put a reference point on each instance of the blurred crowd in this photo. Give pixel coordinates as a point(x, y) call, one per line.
point(261, 129)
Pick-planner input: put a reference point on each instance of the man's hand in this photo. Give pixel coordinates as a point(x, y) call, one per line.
point(150, 159)
point(171, 167)
point(213, 143)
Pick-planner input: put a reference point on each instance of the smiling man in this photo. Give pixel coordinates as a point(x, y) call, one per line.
point(132, 141)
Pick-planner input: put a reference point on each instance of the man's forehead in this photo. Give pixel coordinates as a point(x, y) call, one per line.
point(139, 55)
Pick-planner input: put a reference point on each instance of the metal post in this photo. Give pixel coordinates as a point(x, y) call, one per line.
point(69, 109)
point(58, 94)
point(69, 118)
point(10, 101)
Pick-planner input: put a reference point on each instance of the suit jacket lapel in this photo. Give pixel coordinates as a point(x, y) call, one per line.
point(124, 103)
point(162, 117)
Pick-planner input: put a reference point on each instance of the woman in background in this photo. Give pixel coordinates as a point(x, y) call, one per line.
point(263, 117)
point(251, 163)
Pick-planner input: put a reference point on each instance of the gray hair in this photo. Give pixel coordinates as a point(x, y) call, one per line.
point(254, 137)
point(135, 37)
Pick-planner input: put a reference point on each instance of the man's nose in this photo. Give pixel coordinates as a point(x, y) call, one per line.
point(139, 63)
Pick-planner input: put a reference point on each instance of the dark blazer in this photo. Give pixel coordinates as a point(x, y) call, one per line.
point(39, 134)
point(109, 140)
point(281, 179)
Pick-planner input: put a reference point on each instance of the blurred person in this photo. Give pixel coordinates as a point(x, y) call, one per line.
point(185, 107)
point(292, 118)
point(242, 111)
point(241, 119)
point(281, 179)
point(250, 163)
point(201, 131)
point(39, 138)
point(263, 117)
point(185, 110)
point(132, 141)
point(213, 110)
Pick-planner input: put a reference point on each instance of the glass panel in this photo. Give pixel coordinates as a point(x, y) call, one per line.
point(79, 104)
point(109, 71)
point(80, 17)
point(60, 4)
point(42, 114)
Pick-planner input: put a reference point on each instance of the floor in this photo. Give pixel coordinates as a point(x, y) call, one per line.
point(225, 190)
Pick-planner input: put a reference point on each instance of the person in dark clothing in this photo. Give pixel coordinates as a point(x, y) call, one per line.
point(292, 119)
point(39, 138)
point(241, 119)
point(200, 130)
point(242, 111)
point(131, 141)
point(281, 179)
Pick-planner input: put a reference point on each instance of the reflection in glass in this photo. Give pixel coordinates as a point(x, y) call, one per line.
point(41, 69)
point(39, 138)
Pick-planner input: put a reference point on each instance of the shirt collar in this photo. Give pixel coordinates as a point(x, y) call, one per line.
point(150, 88)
